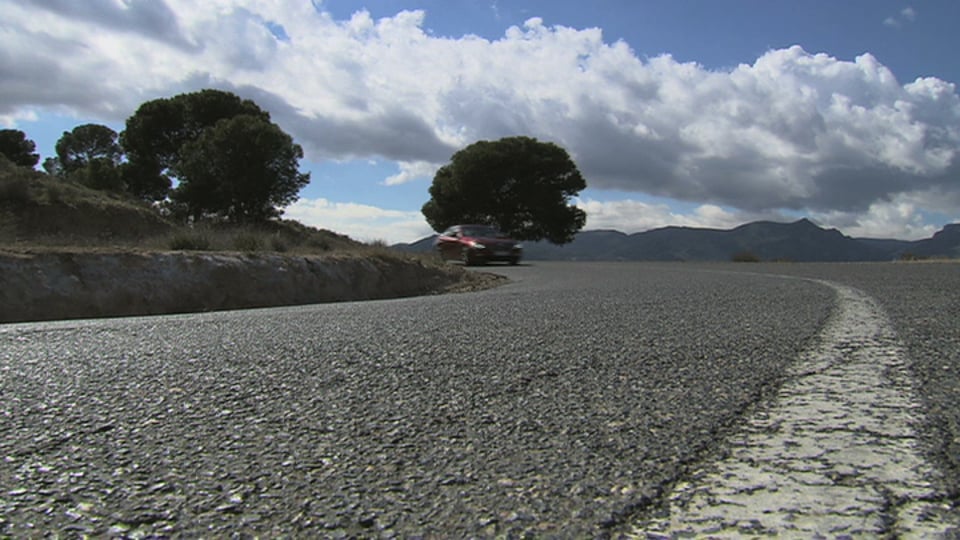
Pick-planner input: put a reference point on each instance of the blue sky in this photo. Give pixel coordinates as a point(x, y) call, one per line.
point(687, 112)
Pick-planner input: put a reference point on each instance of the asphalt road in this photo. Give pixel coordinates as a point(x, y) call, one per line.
point(567, 403)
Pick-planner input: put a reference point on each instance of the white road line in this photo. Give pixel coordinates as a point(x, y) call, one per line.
point(837, 454)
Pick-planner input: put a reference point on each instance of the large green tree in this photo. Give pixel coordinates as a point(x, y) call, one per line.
point(89, 154)
point(84, 144)
point(15, 145)
point(243, 168)
point(519, 184)
point(159, 129)
point(99, 173)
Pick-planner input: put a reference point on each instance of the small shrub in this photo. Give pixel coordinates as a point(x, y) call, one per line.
point(8, 226)
point(322, 245)
point(247, 241)
point(190, 241)
point(15, 190)
point(277, 244)
point(55, 193)
point(745, 256)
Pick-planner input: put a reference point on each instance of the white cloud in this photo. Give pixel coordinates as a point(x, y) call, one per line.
point(410, 171)
point(793, 132)
point(901, 217)
point(24, 115)
point(360, 222)
point(883, 220)
point(906, 15)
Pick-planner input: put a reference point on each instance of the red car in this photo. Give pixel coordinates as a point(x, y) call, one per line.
point(477, 244)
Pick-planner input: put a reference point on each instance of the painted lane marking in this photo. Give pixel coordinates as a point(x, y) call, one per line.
point(837, 455)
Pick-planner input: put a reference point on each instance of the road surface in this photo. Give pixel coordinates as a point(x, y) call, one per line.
point(579, 400)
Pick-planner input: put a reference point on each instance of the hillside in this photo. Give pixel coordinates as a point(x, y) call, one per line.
point(35, 208)
point(39, 211)
point(800, 241)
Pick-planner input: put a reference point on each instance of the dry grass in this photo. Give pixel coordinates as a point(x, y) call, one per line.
point(274, 237)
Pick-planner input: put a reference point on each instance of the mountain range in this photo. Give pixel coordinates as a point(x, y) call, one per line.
point(800, 241)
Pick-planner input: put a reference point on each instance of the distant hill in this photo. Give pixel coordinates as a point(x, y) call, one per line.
point(945, 243)
point(800, 241)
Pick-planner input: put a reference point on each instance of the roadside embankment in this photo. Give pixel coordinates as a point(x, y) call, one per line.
point(51, 285)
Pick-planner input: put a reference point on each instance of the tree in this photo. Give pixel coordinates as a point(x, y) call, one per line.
point(90, 155)
point(99, 173)
point(159, 129)
point(143, 182)
point(52, 166)
point(243, 169)
point(520, 185)
point(15, 145)
point(84, 144)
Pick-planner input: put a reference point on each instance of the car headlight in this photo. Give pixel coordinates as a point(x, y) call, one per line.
point(518, 246)
point(478, 245)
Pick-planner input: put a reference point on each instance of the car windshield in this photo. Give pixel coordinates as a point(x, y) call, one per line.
point(481, 232)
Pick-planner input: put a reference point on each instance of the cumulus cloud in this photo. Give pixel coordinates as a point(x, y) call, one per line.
point(903, 216)
point(140, 18)
point(410, 171)
point(794, 131)
point(361, 222)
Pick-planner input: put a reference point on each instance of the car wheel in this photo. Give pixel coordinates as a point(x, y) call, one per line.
point(466, 257)
point(514, 261)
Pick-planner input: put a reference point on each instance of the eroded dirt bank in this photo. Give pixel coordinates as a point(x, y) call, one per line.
point(37, 286)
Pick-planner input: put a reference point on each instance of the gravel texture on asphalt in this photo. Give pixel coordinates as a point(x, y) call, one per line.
point(837, 453)
point(562, 404)
point(923, 301)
